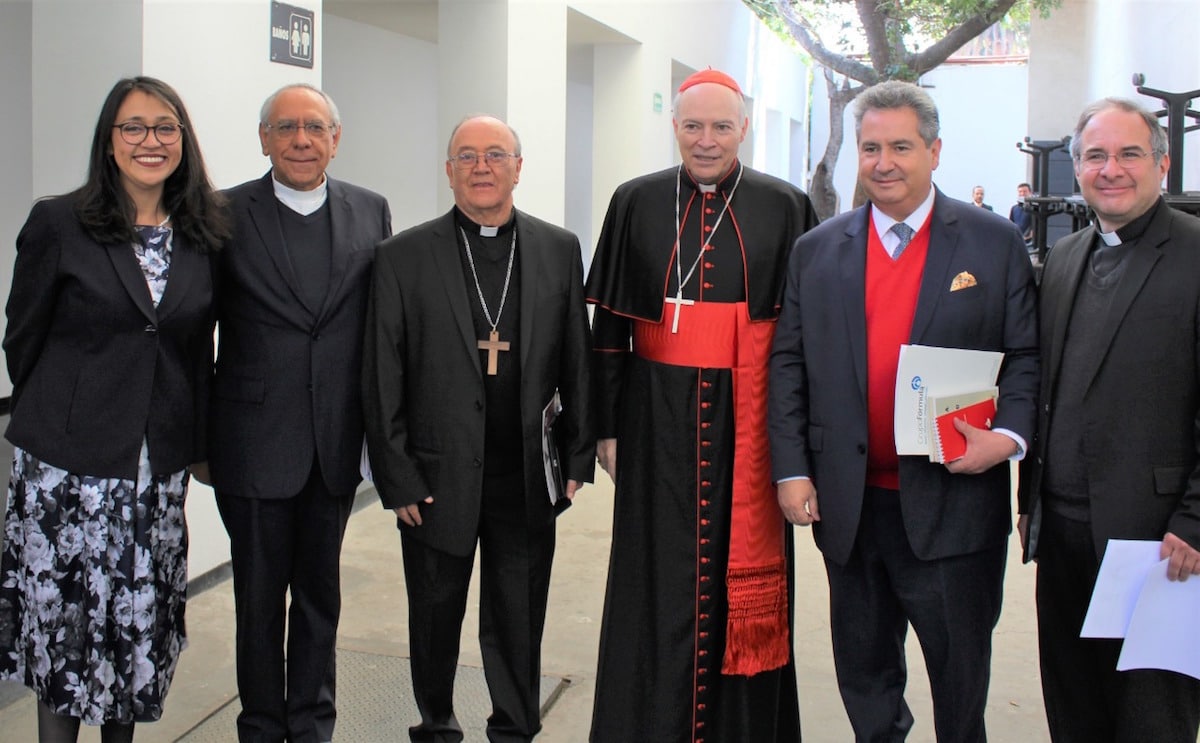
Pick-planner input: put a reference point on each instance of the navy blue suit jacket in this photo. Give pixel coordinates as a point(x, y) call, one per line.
point(818, 401)
point(96, 367)
point(287, 377)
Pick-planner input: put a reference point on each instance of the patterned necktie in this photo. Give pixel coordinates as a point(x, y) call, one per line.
point(905, 233)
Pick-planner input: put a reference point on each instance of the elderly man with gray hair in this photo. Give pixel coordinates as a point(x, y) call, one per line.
point(286, 425)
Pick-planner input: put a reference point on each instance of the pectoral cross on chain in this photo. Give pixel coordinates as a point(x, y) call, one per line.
point(678, 301)
point(493, 345)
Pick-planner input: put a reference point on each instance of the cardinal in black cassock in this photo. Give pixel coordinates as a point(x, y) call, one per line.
point(687, 278)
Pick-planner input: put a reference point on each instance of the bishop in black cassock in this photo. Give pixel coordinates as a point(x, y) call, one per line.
point(687, 278)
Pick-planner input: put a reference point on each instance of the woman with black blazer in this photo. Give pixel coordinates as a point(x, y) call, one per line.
point(109, 348)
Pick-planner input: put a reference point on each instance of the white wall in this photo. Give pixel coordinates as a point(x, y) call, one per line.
point(16, 129)
point(1090, 49)
point(385, 85)
point(216, 55)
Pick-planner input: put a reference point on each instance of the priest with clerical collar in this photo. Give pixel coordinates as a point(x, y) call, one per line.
point(476, 327)
point(686, 283)
point(1118, 428)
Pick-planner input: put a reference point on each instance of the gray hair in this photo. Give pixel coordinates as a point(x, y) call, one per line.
point(1158, 136)
point(472, 117)
point(265, 112)
point(894, 94)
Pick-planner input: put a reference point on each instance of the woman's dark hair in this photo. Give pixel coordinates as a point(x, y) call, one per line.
point(197, 211)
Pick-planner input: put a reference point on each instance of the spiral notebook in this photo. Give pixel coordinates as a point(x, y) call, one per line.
point(977, 408)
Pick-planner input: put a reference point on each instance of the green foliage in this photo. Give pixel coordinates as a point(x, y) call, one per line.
point(889, 38)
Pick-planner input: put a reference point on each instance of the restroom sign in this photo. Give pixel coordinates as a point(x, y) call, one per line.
point(293, 35)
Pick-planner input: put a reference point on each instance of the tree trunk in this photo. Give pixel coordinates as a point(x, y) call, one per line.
point(821, 189)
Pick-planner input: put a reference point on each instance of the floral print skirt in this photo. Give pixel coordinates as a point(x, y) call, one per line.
point(93, 583)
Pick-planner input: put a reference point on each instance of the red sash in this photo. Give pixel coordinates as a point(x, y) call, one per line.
point(720, 335)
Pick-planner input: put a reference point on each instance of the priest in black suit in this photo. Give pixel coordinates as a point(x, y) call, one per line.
point(1118, 430)
point(286, 427)
point(476, 321)
point(695, 641)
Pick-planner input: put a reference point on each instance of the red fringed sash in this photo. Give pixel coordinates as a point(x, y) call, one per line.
point(718, 335)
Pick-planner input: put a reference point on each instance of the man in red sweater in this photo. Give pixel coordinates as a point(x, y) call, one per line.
point(905, 540)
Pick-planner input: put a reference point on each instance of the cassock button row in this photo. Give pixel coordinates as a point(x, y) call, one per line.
point(705, 463)
point(705, 483)
point(708, 196)
point(707, 264)
point(704, 522)
point(708, 210)
point(708, 285)
point(706, 385)
point(705, 443)
point(705, 424)
point(706, 405)
point(708, 228)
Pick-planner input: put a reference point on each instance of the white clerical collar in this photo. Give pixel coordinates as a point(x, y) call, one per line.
point(1111, 239)
point(883, 223)
point(301, 202)
point(485, 231)
point(707, 187)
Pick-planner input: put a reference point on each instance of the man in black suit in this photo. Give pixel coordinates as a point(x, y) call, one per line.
point(1119, 426)
point(977, 198)
point(286, 430)
point(476, 319)
point(904, 539)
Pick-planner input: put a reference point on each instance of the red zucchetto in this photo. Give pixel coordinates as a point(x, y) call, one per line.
point(710, 76)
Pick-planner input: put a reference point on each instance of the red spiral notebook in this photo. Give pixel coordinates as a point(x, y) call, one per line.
point(977, 408)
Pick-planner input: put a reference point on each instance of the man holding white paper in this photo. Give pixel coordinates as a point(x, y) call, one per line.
point(1118, 426)
point(904, 539)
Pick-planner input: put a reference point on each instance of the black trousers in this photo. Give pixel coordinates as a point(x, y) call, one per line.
point(514, 564)
point(1087, 699)
point(280, 546)
point(953, 605)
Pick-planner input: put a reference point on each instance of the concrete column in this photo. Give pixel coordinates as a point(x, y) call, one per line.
point(629, 137)
point(80, 48)
point(537, 101)
point(473, 61)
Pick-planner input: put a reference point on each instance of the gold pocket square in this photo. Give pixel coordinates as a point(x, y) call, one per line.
point(962, 281)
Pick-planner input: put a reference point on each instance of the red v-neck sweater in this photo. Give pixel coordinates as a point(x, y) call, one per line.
point(892, 287)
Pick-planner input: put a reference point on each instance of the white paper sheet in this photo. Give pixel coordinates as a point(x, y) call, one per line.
point(944, 371)
point(1162, 631)
point(1123, 571)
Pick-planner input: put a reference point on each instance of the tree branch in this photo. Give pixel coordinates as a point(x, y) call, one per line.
point(956, 37)
point(804, 33)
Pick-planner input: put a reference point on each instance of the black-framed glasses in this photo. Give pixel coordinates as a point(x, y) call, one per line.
point(1127, 159)
point(494, 158)
point(135, 132)
point(287, 129)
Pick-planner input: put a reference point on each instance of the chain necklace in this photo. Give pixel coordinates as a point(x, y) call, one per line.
point(493, 344)
point(680, 279)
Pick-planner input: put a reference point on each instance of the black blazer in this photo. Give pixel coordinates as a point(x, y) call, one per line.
point(287, 380)
point(423, 385)
point(95, 367)
point(1142, 397)
point(818, 401)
